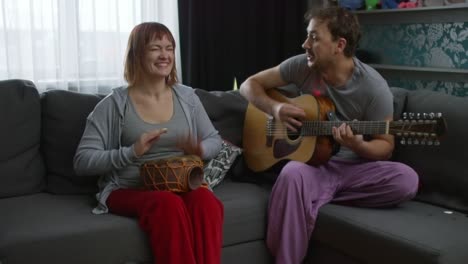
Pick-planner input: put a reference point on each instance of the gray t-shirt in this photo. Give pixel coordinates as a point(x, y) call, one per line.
point(166, 146)
point(365, 97)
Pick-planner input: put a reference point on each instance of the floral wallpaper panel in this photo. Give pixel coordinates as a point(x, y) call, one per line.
point(441, 45)
point(453, 88)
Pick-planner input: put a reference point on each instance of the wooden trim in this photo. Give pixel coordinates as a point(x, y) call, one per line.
point(422, 73)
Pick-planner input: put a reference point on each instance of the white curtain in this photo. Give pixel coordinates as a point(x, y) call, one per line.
point(77, 45)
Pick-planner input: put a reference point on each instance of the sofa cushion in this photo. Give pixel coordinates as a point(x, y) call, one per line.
point(226, 111)
point(61, 229)
point(442, 169)
point(22, 169)
point(414, 232)
point(245, 207)
point(63, 121)
point(51, 228)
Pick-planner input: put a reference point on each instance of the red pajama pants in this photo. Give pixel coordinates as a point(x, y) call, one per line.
point(185, 228)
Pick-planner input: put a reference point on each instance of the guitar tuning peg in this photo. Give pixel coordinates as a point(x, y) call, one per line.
point(405, 115)
point(431, 115)
point(437, 143)
point(425, 115)
point(439, 115)
point(423, 141)
point(416, 141)
point(418, 116)
point(429, 142)
point(403, 141)
point(411, 115)
point(409, 141)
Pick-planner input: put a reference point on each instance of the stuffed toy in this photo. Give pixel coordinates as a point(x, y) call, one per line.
point(352, 4)
point(389, 4)
point(372, 4)
point(408, 4)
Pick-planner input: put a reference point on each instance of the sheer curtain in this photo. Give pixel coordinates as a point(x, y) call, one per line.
point(77, 45)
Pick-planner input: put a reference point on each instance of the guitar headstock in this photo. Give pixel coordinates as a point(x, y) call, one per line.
point(419, 129)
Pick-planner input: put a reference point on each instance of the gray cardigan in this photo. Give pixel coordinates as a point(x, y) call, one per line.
point(100, 151)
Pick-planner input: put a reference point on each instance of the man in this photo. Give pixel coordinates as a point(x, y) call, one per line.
point(358, 174)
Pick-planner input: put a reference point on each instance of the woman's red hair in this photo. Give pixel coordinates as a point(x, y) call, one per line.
point(140, 37)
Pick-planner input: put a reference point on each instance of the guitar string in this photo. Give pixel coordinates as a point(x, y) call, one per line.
point(369, 127)
point(361, 125)
point(328, 132)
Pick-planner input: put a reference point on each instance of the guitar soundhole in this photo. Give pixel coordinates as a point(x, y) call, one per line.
point(284, 147)
point(294, 135)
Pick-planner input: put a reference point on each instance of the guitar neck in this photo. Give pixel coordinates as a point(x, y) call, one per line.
point(324, 128)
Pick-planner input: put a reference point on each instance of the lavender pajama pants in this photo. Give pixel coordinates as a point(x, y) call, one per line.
point(301, 190)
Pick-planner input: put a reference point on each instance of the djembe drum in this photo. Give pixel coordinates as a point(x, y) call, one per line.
point(176, 174)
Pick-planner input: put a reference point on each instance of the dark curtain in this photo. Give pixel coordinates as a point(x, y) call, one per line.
point(223, 39)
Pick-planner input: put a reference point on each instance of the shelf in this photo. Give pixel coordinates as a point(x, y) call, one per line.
point(419, 73)
point(418, 69)
point(432, 14)
point(417, 9)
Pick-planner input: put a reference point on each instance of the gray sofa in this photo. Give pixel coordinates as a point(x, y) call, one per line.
point(46, 209)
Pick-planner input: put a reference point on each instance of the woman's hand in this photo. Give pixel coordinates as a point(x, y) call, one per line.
point(146, 140)
point(191, 147)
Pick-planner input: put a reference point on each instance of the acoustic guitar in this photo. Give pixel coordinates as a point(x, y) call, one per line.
point(266, 141)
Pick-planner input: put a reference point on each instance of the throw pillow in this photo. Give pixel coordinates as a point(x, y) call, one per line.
point(216, 169)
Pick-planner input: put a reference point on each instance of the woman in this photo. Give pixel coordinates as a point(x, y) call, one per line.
point(148, 120)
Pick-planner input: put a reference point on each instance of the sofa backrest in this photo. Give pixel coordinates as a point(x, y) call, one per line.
point(64, 116)
point(226, 111)
point(22, 168)
point(42, 132)
point(443, 170)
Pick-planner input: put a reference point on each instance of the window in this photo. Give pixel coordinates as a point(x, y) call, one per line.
point(77, 45)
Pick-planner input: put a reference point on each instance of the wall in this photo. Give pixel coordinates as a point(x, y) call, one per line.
point(435, 51)
point(421, 48)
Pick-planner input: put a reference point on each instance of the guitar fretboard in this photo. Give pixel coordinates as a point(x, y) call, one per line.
point(324, 128)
